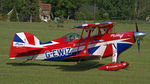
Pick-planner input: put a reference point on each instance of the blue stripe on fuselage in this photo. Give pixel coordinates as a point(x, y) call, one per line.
point(63, 58)
point(122, 47)
point(49, 42)
point(92, 50)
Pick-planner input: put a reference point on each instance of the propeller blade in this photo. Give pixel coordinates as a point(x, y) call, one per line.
point(137, 29)
point(138, 44)
point(138, 36)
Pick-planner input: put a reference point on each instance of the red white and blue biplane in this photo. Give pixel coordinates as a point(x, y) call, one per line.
point(76, 47)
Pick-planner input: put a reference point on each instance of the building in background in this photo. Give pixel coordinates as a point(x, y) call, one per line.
point(45, 11)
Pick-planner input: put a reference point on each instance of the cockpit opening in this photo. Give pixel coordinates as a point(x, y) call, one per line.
point(72, 36)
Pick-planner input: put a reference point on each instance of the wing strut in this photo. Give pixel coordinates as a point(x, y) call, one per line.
point(85, 50)
point(79, 41)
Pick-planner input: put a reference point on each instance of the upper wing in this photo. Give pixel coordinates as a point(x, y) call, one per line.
point(94, 25)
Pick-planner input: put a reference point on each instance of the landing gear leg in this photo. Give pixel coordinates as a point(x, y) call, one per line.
point(116, 63)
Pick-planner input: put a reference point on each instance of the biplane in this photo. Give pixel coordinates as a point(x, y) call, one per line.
point(78, 47)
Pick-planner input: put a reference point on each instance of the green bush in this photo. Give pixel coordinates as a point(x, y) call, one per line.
point(84, 15)
point(106, 15)
point(79, 16)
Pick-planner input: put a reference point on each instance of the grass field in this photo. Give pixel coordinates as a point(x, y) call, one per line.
point(44, 72)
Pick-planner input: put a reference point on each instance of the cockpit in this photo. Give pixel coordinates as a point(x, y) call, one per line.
point(72, 36)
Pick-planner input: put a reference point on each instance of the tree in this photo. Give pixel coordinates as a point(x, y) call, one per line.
point(8, 5)
point(0, 6)
point(30, 10)
point(141, 7)
point(64, 8)
point(87, 12)
point(27, 10)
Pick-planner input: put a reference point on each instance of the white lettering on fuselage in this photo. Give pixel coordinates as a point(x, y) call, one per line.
point(117, 35)
point(58, 52)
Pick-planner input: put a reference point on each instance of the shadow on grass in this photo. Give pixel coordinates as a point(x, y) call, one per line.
point(82, 66)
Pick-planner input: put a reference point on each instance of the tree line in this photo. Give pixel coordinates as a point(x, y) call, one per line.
point(28, 10)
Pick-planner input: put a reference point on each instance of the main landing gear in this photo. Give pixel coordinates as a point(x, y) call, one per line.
point(116, 63)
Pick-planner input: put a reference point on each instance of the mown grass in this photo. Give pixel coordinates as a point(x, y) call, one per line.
point(42, 72)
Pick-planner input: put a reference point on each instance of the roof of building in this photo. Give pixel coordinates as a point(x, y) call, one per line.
point(45, 7)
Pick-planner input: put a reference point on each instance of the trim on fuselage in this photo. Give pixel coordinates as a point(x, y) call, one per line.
point(122, 47)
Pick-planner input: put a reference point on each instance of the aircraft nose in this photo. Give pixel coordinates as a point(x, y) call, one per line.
point(139, 35)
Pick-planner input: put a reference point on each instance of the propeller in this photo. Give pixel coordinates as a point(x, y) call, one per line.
point(138, 36)
point(138, 44)
point(137, 29)
point(138, 40)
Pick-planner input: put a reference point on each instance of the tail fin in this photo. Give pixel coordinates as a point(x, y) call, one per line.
point(25, 39)
point(24, 46)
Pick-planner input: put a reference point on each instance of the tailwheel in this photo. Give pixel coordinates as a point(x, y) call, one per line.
point(114, 66)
